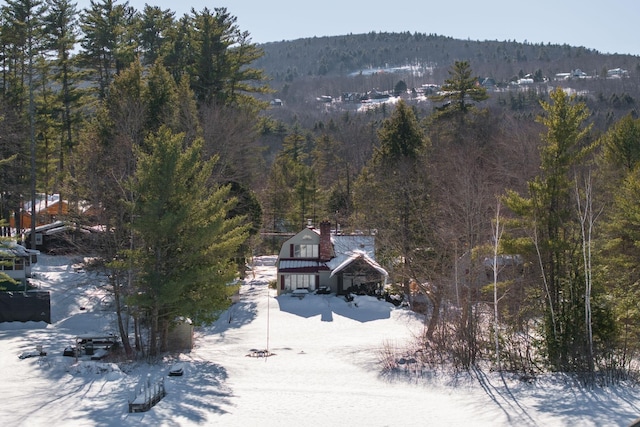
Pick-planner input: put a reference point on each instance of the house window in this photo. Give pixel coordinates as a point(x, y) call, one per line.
point(300, 281)
point(305, 251)
point(7, 264)
point(19, 265)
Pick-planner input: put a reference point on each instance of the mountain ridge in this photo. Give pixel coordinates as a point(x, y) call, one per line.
point(327, 56)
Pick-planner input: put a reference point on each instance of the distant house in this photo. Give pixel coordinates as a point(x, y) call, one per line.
point(578, 74)
point(563, 76)
point(16, 262)
point(488, 83)
point(525, 81)
point(574, 74)
point(316, 259)
point(617, 73)
point(49, 208)
point(60, 237)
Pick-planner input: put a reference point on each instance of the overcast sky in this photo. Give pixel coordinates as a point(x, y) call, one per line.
point(610, 26)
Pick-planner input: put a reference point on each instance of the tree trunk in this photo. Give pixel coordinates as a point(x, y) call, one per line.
point(124, 333)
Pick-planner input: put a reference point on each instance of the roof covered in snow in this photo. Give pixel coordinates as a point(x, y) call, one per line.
point(339, 263)
point(348, 244)
point(11, 249)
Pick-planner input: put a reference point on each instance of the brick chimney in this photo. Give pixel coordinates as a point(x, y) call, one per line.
point(325, 241)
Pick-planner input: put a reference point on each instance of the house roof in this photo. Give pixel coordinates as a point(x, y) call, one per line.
point(58, 227)
point(341, 262)
point(44, 201)
point(300, 265)
point(11, 249)
point(346, 245)
point(297, 263)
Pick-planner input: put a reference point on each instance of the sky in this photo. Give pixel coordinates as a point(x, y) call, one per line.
point(324, 369)
point(607, 26)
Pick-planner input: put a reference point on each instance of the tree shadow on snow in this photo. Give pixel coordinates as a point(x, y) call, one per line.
point(239, 314)
point(561, 398)
point(199, 392)
point(362, 308)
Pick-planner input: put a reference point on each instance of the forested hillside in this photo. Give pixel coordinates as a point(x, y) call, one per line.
point(501, 182)
point(502, 60)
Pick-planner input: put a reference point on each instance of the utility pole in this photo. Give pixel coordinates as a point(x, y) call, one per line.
point(32, 137)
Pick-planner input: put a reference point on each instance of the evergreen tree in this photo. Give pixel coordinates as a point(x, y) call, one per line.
point(180, 57)
point(292, 183)
point(187, 111)
point(62, 29)
point(392, 196)
point(49, 147)
point(459, 90)
point(25, 18)
point(222, 58)
point(109, 41)
point(108, 152)
point(13, 175)
point(188, 238)
point(622, 145)
point(160, 95)
point(156, 27)
point(23, 35)
point(554, 238)
point(621, 249)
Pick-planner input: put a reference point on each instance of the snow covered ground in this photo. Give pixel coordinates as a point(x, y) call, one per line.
point(324, 370)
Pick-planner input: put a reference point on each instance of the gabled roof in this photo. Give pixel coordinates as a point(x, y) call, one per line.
point(48, 201)
point(43, 201)
point(341, 262)
point(306, 234)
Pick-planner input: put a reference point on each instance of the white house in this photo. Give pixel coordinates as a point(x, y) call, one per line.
point(16, 262)
point(317, 259)
point(617, 73)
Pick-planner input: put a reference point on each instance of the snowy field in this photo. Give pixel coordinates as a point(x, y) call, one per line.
point(324, 370)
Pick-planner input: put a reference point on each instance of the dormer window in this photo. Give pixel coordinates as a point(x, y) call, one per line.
point(305, 251)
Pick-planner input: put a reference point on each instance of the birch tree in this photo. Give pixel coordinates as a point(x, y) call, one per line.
point(587, 217)
point(553, 229)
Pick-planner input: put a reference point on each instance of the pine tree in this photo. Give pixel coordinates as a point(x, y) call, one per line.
point(156, 27)
point(161, 98)
point(188, 239)
point(63, 30)
point(622, 145)
point(392, 195)
point(220, 59)
point(620, 264)
point(554, 238)
point(109, 43)
point(459, 90)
